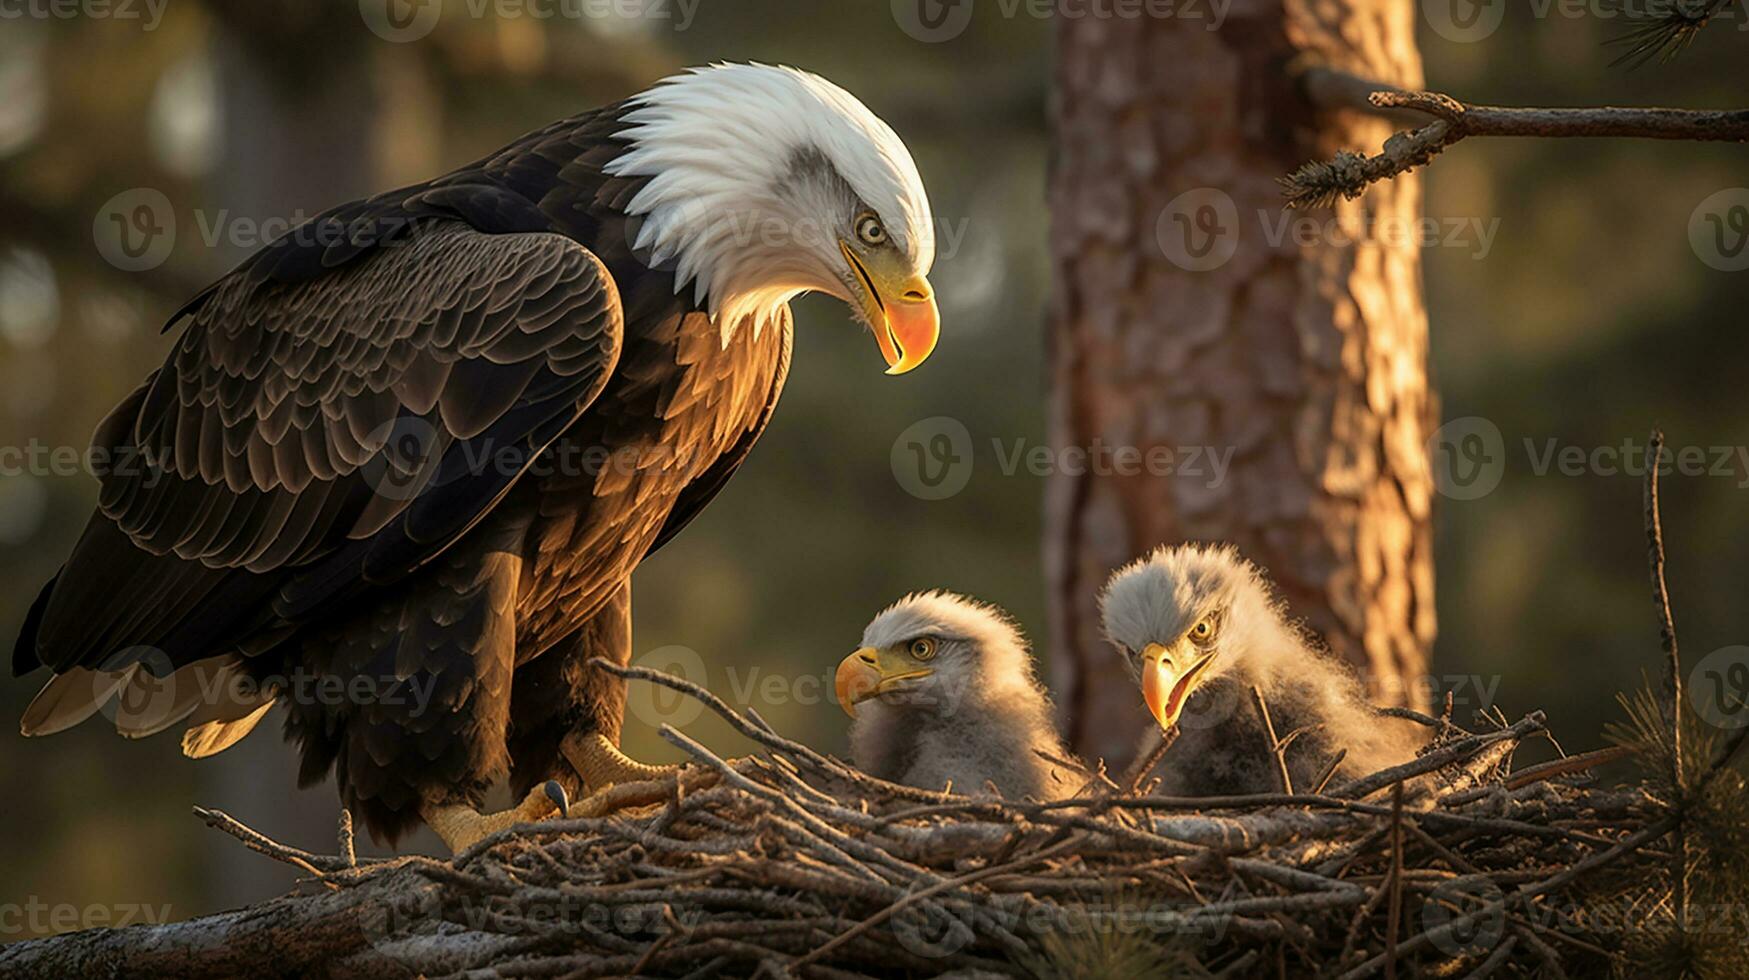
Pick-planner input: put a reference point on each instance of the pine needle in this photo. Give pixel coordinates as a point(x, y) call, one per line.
point(1660, 31)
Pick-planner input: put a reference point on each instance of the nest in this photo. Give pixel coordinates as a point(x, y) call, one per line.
point(792, 863)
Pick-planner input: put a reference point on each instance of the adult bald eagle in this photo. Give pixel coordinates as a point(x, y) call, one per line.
point(398, 470)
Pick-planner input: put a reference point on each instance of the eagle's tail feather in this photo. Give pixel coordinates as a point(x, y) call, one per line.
point(218, 710)
point(72, 696)
point(230, 712)
point(212, 737)
point(148, 705)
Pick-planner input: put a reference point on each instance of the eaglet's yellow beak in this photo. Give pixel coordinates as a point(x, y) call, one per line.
point(1168, 678)
point(899, 306)
point(869, 673)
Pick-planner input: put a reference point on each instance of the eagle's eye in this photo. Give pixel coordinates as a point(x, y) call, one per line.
point(870, 230)
point(1202, 631)
point(922, 648)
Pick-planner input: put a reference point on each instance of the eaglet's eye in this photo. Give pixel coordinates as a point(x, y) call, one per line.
point(922, 648)
point(870, 230)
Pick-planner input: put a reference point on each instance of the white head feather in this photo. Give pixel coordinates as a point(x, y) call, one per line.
point(755, 173)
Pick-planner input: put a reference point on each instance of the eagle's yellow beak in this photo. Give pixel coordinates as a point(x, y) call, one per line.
point(870, 673)
point(899, 306)
point(1168, 680)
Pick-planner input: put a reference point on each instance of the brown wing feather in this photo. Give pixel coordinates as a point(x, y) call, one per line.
point(263, 445)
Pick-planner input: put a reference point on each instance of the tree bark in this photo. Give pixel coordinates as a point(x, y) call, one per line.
point(1193, 317)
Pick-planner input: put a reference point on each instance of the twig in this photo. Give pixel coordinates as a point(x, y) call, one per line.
point(315, 864)
point(1495, 960)
point(1664, 31)
point(1393, 916)
point(1452, 752)
point(348, 850)
point(1673, 670)
point(1566, 767)
point(1132, 778)
point(1277, 748)
point(1321, 183)
point(1329, 771)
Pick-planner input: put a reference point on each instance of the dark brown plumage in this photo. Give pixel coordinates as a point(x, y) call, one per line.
point(418, 445)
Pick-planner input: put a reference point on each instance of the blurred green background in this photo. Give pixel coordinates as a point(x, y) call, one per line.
point(1588, 320)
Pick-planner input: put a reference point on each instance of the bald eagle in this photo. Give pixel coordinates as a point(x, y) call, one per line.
point(398, 470)
point(1198, 628)
point(943, 692)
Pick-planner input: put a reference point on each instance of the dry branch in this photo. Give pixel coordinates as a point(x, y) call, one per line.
point(1445, 120)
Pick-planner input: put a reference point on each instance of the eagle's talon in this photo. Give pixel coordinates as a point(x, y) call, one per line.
point(602, 764)
point(461, 826)
point(560, 798)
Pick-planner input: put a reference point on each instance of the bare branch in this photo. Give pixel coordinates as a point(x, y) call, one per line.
point(1447, 120)
point(1673, 671)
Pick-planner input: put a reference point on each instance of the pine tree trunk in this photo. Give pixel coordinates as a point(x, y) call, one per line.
point(1189, 321)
